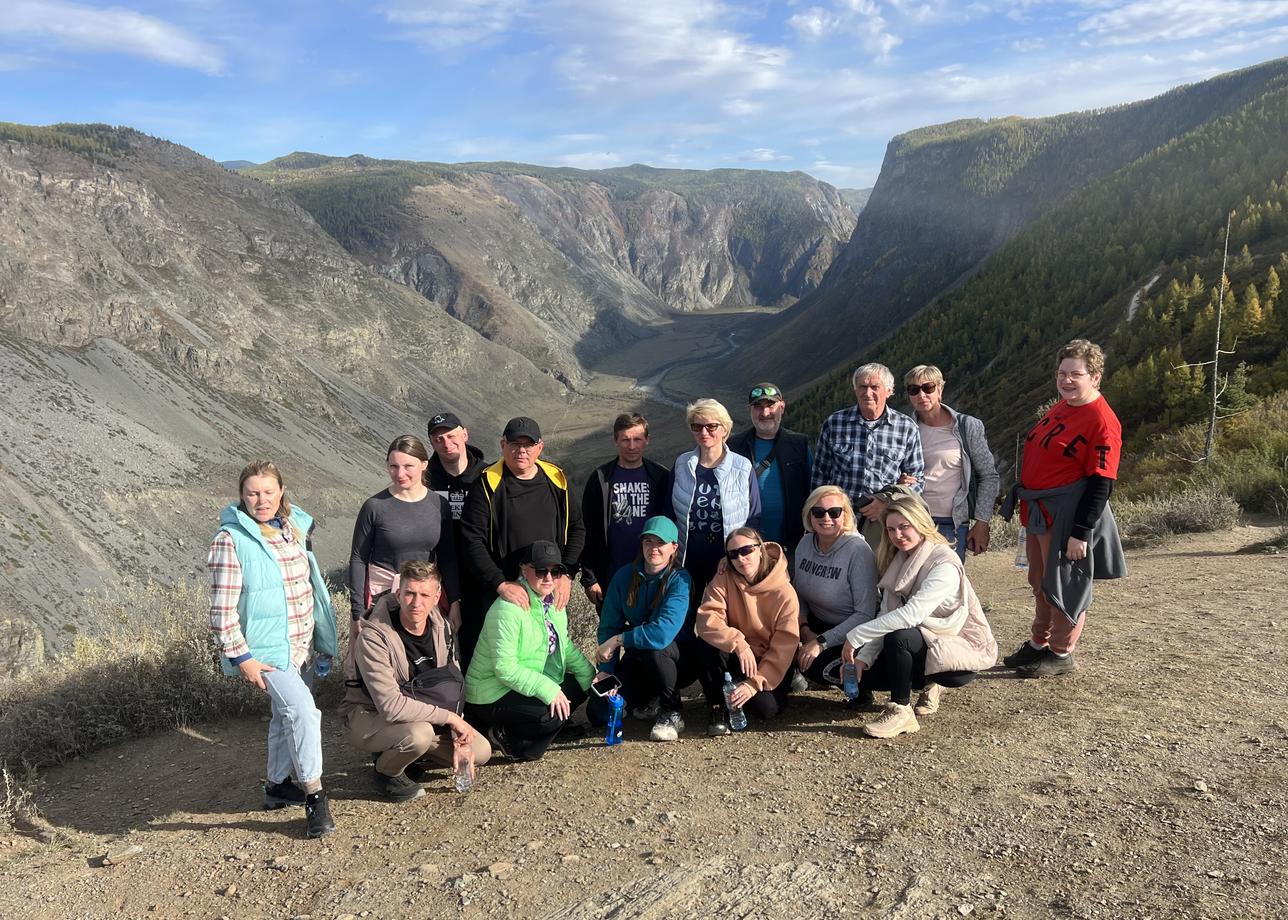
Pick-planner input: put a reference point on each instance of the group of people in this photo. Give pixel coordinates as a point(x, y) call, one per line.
point(752, 565)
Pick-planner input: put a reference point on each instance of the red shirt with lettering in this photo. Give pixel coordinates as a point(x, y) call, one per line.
point(1071, 443)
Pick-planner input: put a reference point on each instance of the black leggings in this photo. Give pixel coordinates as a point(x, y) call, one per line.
point(826, 668)
point(529, 727)
point(902, 666)
point(649, 674)
point(764, 705)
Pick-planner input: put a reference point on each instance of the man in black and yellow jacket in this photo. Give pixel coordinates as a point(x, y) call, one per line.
point(516, 501)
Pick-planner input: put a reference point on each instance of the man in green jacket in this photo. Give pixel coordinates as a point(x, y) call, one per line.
point(526, 676)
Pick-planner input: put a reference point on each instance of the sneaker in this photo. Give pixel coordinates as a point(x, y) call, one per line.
point(417, 772)
point(718, 723)
point(396, 788)
point(799, 683)
point(895, 719)
point(1049, 665)
point(928, 700)
point(667, 727)
point(496, 738)
point(647, 713)
point(865, 700)
point(1024, 655)
point(317, 812)
point(280, 795)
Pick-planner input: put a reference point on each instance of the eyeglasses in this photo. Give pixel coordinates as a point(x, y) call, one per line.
point(735, 554)
point(520, 448)
point(1070, 375)
point(708, 427)
point(765, 393)
point(927, 388)
point(818, 512)
point(555, 571)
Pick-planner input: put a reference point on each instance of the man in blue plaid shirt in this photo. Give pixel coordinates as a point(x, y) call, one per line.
point(869, 449)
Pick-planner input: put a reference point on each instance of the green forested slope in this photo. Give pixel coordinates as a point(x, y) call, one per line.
point(1073, 273)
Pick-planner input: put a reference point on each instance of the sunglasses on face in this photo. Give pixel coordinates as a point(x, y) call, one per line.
point(927, 388)
point(818, 512)
point(708, 427)
point(557, 571)
point(735, 554)
point(765, 393)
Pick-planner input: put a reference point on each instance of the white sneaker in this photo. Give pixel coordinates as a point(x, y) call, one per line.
point(928, 700)
point(895, 719)
point(667, 727)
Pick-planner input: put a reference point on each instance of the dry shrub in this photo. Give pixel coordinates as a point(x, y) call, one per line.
point(17, 804)
point(1198, 509)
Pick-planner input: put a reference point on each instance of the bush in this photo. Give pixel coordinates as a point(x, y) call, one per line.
point(17, 804)
point(1198, 509)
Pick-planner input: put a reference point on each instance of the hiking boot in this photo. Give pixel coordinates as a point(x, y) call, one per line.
point(280, 795)
point(396, 788)
point(928, 700)
point(895, 719)
point(417, 772)
point(1026, 654)
point(718, 724)
point(1049, 665)
point(667, 727)
point(317, 812)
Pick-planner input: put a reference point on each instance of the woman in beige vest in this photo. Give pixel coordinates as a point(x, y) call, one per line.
point(931, 632)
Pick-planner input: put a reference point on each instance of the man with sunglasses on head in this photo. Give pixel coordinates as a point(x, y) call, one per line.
point(517, 501)
point(782, 461)
point(527, 677)
point(870, 450)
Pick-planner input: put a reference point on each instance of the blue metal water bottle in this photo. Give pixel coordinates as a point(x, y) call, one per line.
point(616, 707)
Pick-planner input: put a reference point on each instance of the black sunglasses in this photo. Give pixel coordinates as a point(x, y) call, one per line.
point(557, 571)
point(708, 427)
point(735, 554)
point(927, 388)
point(818, 512)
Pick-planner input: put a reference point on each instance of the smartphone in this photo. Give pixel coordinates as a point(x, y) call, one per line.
point(606, 685)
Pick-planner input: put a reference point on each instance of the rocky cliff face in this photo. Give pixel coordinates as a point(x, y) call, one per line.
point(949, 196)
point(162, 320)
point(562, 264)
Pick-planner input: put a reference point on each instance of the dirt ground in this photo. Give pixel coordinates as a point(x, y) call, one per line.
point(1152, 783)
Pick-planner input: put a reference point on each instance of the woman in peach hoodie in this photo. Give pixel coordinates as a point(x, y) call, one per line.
point(749, 618)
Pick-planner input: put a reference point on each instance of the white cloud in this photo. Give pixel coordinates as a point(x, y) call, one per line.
point(452, 24)
point(815, 22)
point(843, 175)
point(761, 155)
point(740, 108)
point(589, 160)
point(1026, 45)
point(1153, 21)
point(84, 28)
point(862, 19)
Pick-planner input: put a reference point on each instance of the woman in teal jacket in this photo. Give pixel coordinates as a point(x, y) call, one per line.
point(270, 612)
point(644, 612)
point(526, 677)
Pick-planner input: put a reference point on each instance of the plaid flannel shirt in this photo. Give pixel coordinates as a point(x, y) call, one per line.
point(226, 587)
point(865, 457)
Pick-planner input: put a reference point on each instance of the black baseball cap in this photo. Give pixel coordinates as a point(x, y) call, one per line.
point(444, 420)
point(767, 391)
point(543, 554)
point(522, 427)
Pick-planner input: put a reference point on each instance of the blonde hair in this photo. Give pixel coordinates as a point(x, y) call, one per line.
point(263, 468)
point(712, 409)
point(916, 513)
point(848, 522)
point(1090, 353)
point(419, 570)
point(924, 373)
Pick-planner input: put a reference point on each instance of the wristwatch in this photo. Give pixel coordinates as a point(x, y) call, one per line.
point(822, 641)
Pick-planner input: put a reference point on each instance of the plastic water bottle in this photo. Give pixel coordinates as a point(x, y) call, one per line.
point(850, 681)
point(1022, 552)
point(737, 718)
point(616, 708)
point(462, 769)
point(322, 666)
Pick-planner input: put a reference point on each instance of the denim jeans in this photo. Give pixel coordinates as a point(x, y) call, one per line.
point(956, 536)
point(295, 729)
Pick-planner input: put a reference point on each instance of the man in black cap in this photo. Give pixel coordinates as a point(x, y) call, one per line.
point(455, 464)
point(515, 502)
point(782, 462)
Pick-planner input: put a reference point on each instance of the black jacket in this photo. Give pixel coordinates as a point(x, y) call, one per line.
point(792, 460)
point(456, 487)
point(595, 510)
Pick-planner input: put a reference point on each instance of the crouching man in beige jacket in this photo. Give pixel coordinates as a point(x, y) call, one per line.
point(406, 692)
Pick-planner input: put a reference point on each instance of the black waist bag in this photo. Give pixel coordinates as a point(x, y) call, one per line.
point(443, 687)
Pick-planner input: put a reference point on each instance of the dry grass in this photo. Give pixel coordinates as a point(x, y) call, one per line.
point(1198, 509)
point(17, 804)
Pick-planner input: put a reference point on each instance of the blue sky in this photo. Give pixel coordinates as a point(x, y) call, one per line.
point(817, 85)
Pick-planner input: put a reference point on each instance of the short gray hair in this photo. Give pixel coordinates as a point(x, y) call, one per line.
point(867, 370)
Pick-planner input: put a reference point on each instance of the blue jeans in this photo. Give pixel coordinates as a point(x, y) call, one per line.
point(295, 729)
point(956, 536)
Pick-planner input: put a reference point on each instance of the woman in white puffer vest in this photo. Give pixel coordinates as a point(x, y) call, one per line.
point(931, 632)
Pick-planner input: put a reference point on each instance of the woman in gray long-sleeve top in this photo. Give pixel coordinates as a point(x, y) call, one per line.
point(960, 487)
point(835, 577)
